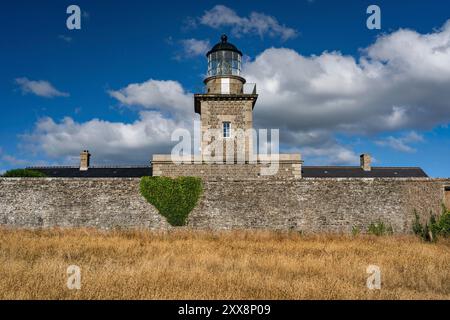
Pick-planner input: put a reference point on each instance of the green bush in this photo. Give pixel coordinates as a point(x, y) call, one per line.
point(174, 198)
point(23, 173)
point(379, 228)
point(433, 228)
point(444, 224)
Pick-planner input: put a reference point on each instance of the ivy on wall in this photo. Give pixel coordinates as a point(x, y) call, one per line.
point(174, 198)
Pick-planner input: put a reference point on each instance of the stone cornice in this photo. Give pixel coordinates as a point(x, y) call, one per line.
point(222, 97)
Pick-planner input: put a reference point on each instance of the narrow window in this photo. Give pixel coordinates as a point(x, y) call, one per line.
point(226, 129)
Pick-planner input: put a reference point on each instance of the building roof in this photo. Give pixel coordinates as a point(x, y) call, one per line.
point(357, 172)
point(224, 45)
point(95, 172)
point(307, 172)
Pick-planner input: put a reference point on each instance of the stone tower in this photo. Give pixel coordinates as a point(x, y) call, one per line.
point(226, 106)
point(226, 142)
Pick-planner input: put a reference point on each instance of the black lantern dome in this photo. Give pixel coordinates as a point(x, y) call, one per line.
point(224, 59)
point(224, 45)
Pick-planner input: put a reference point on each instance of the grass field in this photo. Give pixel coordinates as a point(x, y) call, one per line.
point(219, 265)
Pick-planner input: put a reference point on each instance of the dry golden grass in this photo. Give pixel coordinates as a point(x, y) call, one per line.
point(218, 265)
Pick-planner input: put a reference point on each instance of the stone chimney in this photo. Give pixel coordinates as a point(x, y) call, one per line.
point(84, 160)
point(365, 162)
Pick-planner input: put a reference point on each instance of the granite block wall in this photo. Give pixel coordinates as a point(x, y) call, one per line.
point(76, 202)
point(286, 170)
point(317, 205)
point(308, 205)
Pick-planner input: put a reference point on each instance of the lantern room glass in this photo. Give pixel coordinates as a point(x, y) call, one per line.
point(224, 63)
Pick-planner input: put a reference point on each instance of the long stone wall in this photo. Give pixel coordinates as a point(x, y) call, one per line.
point(317, 205)
point(76, 202)
point(307, 205)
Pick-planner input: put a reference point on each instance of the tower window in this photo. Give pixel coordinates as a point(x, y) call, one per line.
point(226, 129)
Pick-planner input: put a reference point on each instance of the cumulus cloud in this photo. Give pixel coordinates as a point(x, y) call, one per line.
point(332, 153)
point(163, 106)
point(109, 142)
point(317, 146)
point(399, 83)
point(401, 143)
point(256, 23)
point(40, 88)
point(193, 48)
point(167, 96)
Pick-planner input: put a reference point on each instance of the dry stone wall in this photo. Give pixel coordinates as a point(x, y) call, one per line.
point(76, 202)
point(317, 205)
point(307, 205)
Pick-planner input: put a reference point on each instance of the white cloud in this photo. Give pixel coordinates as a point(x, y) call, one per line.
point(310, 99)
point(318, 147)
point(167, 96)
point(401, 143)
point(40, 88)
point(400, 83)
point(193, 48)
point(256, 23)
point(109, 142)
point(332, 154)
point(163, 107)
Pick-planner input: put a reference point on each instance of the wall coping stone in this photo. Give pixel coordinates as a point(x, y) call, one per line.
point(445, 180)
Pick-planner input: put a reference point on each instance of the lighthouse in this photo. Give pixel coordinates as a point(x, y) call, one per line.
point(227, 136)
point(226, 105)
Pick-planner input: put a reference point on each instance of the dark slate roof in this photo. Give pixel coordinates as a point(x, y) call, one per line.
point(224, 45)
point(357, 172)
point(95, 172)
point(307, 172)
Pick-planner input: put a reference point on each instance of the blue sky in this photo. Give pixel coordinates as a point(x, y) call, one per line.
point(122, 83)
